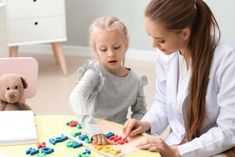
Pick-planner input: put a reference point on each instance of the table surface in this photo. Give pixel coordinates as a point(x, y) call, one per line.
point(54, 126)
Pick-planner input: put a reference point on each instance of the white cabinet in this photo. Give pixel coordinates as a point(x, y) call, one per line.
point(37, 21)
point(3, 31)
point(38, 30)
point(35, 8)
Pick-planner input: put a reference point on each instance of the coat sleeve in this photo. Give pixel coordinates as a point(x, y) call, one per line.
point(82, 94)
point(139, 108)
point(222, 136)
point(157, 115)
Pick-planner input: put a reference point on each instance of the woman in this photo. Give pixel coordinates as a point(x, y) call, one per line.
point(195, 82)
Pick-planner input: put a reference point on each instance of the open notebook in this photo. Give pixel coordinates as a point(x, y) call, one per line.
point(17, 127)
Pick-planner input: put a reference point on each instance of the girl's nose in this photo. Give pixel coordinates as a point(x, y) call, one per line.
point(110, 53)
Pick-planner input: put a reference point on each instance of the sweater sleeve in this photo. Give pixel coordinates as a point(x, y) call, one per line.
point(139, 108)
point(83, 93)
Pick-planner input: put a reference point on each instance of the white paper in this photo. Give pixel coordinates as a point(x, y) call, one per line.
point(17, 127)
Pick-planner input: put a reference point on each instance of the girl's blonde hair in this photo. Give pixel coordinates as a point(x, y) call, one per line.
point(107, 24)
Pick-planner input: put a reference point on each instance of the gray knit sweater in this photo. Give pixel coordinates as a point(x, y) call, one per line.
point(101, 94)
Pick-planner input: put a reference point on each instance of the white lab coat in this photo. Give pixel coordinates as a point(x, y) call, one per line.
point(218, 131)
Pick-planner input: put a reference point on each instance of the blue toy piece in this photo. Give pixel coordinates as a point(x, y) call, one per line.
point(83, 137)
point(109, 134)
point(62, 138)
point(47, 150)
point(58, 139)
point(86, 151)
point(53, 141)
point(76, 144)
point(32, 151)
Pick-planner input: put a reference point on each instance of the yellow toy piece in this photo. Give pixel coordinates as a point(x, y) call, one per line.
point(98, 147)
point(107, 149)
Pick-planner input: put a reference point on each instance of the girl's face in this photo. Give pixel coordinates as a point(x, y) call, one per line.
point(110, 48)
point(168, 42)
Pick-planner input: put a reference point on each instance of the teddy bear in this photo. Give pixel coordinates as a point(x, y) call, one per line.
point(12, 92)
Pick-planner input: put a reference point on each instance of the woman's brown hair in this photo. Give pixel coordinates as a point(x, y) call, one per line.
point(176, 15)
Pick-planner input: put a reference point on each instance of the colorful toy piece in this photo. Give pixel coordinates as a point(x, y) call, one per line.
point(116, 138)
point(79, 126)
point(85, 153)
point(87, 140)
point(41, 155)
point(98, 147)
point(31, 151)
point(75, 134)
point(115, 151)
point(84, 138)
point(58, 139)
point(47, 150)
point(41, 145)
point(73, 144)
point(109, 134)
point(107, 149)
point(72, 123)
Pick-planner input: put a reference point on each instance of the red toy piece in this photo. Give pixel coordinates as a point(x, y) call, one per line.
point(118, 139)
point(73, 123)
point(41, 145)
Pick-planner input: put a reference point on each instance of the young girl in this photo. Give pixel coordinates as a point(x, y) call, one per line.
point(107, 89)
point(195, 83)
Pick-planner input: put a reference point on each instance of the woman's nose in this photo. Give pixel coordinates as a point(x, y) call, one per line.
point(156, 45)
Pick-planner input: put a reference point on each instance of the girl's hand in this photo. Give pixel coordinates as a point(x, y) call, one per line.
point(157, 144)
point(101, 140)
point(133, 127)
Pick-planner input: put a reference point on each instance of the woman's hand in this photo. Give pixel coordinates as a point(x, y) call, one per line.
point(133, 127)
point(101, 140)
point(157, 144)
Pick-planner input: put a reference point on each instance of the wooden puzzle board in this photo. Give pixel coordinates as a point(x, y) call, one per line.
point(126, 148)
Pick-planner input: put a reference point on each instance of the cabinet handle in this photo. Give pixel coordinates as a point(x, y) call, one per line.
point(35, 23)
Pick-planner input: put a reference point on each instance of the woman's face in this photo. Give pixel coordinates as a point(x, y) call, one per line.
point(166, 41)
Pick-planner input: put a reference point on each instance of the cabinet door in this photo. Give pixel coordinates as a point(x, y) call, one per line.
point(34, 8)
point(37, 30)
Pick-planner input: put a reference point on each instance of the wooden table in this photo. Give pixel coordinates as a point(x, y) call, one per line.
point(53, 126)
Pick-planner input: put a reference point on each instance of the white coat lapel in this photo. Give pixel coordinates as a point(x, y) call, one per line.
point(172, 80)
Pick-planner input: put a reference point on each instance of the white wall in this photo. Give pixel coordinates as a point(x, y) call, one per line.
point(224, 11)
point(81, 13)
